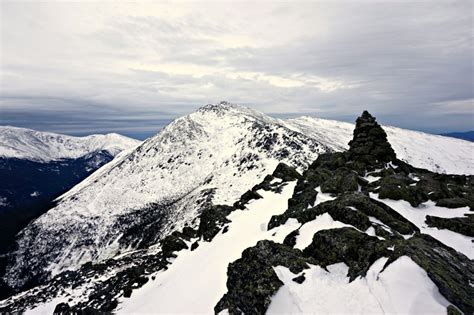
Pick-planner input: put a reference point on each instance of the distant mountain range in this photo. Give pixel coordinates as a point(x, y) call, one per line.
point(36, 167)
point(468, 135)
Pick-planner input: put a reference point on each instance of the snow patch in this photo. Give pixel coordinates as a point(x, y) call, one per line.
point(330, 292)
point(322, 197)
point(371, 178)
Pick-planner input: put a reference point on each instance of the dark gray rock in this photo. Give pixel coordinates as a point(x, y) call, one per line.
point(369, 144)
point(251, 280)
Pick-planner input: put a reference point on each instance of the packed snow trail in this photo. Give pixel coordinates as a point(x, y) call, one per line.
point(196, 280)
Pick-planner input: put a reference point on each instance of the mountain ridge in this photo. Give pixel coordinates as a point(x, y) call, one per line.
point(467, 135)
point(358, 223)
point(209, 157)
point(29, 144)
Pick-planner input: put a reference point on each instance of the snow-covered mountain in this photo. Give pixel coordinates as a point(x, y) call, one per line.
point(37, 167)
point(131, 209)
point(28, 144)
point(159, 187)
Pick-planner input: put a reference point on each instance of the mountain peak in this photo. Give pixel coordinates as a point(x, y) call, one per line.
point(229, 110)
point(370, 143)
point(219, 107)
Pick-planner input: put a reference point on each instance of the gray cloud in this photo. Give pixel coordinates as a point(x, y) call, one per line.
point(410, 63)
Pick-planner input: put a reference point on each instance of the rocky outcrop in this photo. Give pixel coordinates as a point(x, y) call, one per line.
point(464, 225)
point(252, 281)
point(344, 176)
point(357, 250)
point(452, 272)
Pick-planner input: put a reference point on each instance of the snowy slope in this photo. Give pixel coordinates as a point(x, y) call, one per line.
point(196, 279)
point(219, 151)
point(175, 289)
point(39, 146)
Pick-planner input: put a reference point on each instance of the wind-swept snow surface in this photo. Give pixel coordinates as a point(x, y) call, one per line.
point(196, 280)
point(402, 288)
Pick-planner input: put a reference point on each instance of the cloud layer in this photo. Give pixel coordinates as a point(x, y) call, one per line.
point(137, 65)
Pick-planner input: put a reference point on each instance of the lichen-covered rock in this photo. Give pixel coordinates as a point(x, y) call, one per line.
point(381, 211)
point(454, 202)
point(286, 173)
point(463, 225)
point(330, 161)
point(246, 197)
point(251, 280)
point(357, 250)
point(354, 209)
point(300, 279)
point(212, 220)
point(342, 180)
point(452, 272)
point(61, 308)
point(450, 191)
point(188, 233)
point(304, 195)
point(290, 239)
point(398, 186)
point(452, 310)
point(194, 245)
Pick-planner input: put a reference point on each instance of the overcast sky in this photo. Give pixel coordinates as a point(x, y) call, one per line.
point(84, 67)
